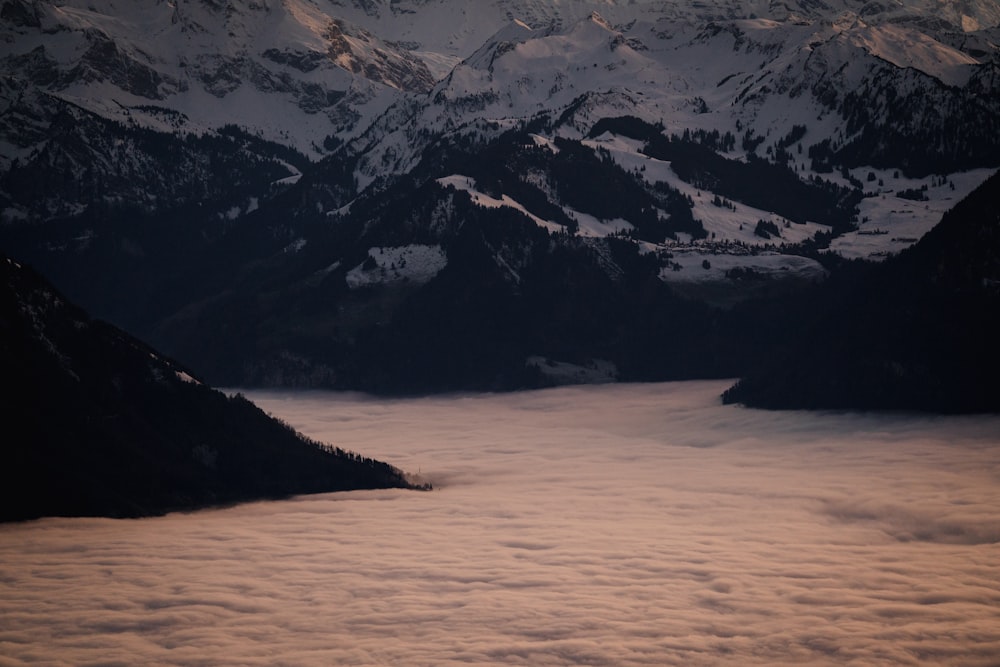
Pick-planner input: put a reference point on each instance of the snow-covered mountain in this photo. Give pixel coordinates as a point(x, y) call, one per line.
point(366, 162)
point(269, 66)
point(88, 87)
point(757, 78)
point(456, 28)
point(875, 103)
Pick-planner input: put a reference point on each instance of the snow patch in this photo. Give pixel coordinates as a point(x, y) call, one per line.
point(296, 245)
point(596, 371)
point(410, 263)
point(891, 223)
point(698, 265)
point(723, 224)
point(184, 377)
point(545, 142)
point(467, 184)
point(592, 227)
point(907, 48)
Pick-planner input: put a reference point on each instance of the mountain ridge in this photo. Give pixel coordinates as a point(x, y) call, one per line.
point(103, 425)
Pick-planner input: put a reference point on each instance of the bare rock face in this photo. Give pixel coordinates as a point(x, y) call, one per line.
point(360, 52)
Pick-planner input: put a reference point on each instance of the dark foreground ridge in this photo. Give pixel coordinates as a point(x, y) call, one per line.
point(922, 334)
point(99, 424)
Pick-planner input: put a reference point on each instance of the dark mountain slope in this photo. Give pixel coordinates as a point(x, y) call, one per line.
point(98, 424)
point(921, 333)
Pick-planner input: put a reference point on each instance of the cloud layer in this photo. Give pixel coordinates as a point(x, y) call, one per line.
point(616, 525)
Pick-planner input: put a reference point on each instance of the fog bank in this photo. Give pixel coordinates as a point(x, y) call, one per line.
point(614, 525)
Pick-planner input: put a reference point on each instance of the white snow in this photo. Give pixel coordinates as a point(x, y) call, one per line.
point(185, 377)
point(688, 264)
point(906, 47)
point(410, 263)
point(891, 223)
point(652, 60)
point(296, 246)
point(503, 62)
point(466, 184)
point(595, 227)
point(186, 41)
point(545, 142)
point(722, 224)
point(589, 226)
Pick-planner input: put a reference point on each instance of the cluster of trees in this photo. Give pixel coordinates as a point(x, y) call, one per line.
point(932, 128)
point(759, 183)
point(913, 194)
point(586, 180)
point(636, 128)
point(766, 229)
point(756, 182)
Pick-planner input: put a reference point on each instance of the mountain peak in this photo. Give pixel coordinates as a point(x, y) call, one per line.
point(592, 29)
point(503, 40)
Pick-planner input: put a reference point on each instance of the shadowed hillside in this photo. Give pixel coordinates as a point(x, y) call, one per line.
point(920, 334)
point(98, 424)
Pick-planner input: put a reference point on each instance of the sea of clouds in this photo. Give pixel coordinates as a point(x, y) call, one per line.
point(601, 525)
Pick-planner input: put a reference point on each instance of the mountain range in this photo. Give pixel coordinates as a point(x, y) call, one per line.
point(99, 424)
point(405, 196)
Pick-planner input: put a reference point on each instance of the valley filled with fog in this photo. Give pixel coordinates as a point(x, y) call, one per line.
point(601, 525)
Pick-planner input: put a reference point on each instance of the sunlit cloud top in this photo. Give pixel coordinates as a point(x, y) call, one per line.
point(623, 525)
